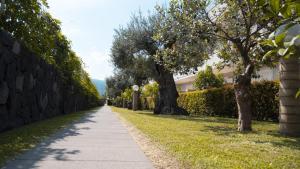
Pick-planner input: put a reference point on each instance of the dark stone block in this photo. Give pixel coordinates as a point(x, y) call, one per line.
point(35, 113)
point(7, 57)
point(4, 93)
point(25, 114)
point(16, 48)
point(4, 118)
point(2, 68)
point(6, 38)
point(19, 83)
point(11, 74)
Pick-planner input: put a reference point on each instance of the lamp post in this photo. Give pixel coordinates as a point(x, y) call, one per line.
point(135, 97)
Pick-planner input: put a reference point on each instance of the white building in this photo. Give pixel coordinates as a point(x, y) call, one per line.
point(186, 83)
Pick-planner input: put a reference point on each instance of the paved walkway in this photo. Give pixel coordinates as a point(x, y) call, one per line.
point(97, 141)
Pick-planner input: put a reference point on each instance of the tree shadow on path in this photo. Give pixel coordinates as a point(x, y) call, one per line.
point(44, 151)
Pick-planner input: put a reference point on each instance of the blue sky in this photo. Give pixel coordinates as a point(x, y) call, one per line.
point(90, 25)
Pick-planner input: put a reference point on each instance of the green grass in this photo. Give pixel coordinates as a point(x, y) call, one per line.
point(15, 141)
point(213, 142)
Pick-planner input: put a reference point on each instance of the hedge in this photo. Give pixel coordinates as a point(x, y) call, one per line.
point(221, 101)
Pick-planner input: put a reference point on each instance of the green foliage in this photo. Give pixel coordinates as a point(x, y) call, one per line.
point(148, 103)
point(150, 90)
point(221, 101)
point(207, 79)
point(231, 28)
point(118, 101)
point(298, 94)
point(149, 96)
point(204, 102)
point(117, 83)
point(132, 49)
point(127, 94)
point(285, 41)
point(179, 50)
point(265, 100)
point(29, 22)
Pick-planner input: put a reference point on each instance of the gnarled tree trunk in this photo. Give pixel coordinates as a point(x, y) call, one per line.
point(167, 96)
point(243, 98)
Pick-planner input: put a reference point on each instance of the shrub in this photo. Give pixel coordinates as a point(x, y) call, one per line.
point(150, 90)
point(207, 79)
point(149, 95)
point(148, 103)
point(127, 94)
point(118, 101)
point(265, 100)
point(221, 101)
point(204, 102)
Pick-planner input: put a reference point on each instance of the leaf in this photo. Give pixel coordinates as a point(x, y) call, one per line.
point(286, 11)
point(283, 52)
point(275, 5)
point(298, 94)
point(293, 42)
point(269, 54)
point(268, 42)
point(279, 39)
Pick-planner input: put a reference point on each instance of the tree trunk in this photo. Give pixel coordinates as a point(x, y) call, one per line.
point(243, 98)
point(289, 115)
point(167, 97)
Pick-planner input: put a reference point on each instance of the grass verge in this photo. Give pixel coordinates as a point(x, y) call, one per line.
point(15, 141)
point(213, 142)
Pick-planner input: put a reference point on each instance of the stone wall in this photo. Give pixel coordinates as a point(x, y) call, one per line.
point(31, 89)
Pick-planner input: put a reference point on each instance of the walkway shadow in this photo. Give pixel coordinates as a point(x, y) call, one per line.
point(43, 150)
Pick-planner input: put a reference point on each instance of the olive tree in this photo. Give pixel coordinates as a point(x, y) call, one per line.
point(235, 26)
point(135, 48)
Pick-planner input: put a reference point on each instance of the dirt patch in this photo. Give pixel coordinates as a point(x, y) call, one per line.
point(155, 152)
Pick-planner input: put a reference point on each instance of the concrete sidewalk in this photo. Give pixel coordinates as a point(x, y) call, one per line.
point(97, 141)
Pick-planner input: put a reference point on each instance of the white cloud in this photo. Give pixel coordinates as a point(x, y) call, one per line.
point(97, 63)
point(71, 30)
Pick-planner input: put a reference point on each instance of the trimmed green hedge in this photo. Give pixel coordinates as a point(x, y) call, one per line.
point(221, 101)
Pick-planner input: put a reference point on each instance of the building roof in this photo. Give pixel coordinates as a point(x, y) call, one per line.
point(186, 79)
point(226, 71)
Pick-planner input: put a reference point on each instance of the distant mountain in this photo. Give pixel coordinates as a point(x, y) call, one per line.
point(100, 85)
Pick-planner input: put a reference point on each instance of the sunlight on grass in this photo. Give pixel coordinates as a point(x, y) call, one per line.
point(213, 142)
point(20, 139)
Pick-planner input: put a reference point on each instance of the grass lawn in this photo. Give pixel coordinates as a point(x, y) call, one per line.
point(20, 139)
point(213, 142)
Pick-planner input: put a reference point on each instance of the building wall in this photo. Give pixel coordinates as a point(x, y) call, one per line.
point(266, 73)
point(269, 74)
point(185, 87)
